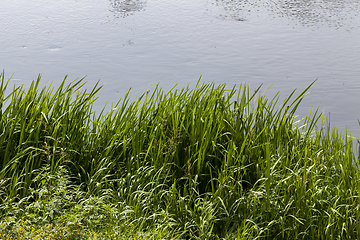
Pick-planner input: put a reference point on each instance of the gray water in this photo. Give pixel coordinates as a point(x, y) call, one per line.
point(139, 43)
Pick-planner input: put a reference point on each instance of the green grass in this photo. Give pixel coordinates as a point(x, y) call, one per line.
point(208, 162)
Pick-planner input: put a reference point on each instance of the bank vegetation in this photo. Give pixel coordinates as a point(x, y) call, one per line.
point(208, 162)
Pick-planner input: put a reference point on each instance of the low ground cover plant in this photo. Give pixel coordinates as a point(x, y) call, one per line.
point(207, 162)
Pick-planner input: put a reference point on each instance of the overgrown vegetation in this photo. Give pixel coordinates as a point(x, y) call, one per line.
point(201, 163)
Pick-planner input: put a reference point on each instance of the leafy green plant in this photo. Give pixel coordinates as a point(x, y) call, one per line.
point(206, 162)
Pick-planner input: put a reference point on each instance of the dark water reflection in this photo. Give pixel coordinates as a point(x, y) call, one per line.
point(236, 9)
point(333, 13)
point(124, 8)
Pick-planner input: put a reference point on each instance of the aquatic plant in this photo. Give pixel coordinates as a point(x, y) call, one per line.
point(193, 163)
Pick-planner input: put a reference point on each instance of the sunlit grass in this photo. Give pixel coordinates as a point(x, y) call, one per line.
point(208, 162)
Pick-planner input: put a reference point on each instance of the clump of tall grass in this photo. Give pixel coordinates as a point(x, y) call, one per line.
point(203, 163)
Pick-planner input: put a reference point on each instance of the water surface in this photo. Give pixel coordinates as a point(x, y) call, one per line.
point(139, 43)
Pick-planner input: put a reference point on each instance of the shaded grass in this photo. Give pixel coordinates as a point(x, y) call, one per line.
point(201, 163)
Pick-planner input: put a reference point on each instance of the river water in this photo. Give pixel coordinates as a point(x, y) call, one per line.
point(285, 44)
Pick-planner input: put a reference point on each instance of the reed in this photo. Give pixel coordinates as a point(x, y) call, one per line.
point(208, 162)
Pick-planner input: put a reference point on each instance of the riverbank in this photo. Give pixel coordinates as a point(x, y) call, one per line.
point(208, 162)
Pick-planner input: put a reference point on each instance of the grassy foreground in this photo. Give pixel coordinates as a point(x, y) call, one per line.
point(201, 163)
